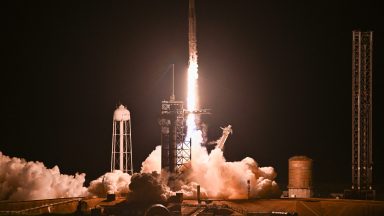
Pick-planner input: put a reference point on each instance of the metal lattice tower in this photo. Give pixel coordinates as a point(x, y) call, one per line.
point(175, 152)
point(121, 157)
point(362, 43)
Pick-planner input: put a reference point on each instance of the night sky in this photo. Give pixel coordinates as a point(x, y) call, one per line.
point(278, 71)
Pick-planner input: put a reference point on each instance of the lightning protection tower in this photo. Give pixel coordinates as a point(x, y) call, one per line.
point(121, 157)
point(362, 42)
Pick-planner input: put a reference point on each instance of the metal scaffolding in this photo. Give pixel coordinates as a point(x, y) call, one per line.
point(175, 152)
point(362, 43)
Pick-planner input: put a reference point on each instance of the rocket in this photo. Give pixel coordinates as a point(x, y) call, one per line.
point(192, 32)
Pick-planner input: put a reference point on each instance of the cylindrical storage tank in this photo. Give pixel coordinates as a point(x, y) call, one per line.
point(300, 177)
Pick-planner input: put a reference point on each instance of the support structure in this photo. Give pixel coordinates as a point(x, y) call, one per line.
point(362, 42)
point(175, 152)
point(121, 156)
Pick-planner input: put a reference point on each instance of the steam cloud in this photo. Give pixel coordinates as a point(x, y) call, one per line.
point(217, 177)
point(148, 187)
point(153, 162)
point(110, 183)
point(228, 180)
point(22, 180)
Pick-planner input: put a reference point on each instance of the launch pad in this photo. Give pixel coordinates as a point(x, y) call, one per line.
point(120, 206)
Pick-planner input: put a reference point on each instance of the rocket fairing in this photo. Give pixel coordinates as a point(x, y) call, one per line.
point(192, 32)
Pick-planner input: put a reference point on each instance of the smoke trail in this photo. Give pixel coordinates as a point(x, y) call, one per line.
point(22, 180)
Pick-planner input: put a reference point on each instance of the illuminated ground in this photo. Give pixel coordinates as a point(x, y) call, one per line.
point(314, 206)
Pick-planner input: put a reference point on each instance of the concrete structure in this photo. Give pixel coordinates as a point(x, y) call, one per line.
point(121, 156)
point(300, 177)
point(362, 44)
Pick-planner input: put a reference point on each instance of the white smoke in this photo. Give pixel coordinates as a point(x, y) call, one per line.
point(217, 177)
point(22, 180)
point(153, 162)
point(148, 188)
point(228, 180)
point(115, 182)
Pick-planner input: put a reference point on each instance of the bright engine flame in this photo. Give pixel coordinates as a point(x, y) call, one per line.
point(192, 86)
point(192, 102)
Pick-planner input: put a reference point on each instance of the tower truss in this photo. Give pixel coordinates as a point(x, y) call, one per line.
point(175, 152)
point(362, 42)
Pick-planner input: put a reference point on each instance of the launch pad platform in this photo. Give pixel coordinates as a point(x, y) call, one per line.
point(87, 206)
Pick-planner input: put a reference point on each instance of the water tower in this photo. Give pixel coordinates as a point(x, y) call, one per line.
point(121, 157)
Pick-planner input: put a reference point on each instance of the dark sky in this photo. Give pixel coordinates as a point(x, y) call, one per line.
point(278, 71)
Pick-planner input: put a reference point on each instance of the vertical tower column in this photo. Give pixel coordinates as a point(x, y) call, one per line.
point(362, 43)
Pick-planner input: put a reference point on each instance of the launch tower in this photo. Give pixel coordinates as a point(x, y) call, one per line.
point(175, 151)
point(121, 157)
point(175, 148)
point(362, 42)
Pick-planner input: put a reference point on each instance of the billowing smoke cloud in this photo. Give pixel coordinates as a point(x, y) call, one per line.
point(217, 177)
point(228, 180)
point(153, 162)
point(22, 180)
point(148, 187)
point(110, 183)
